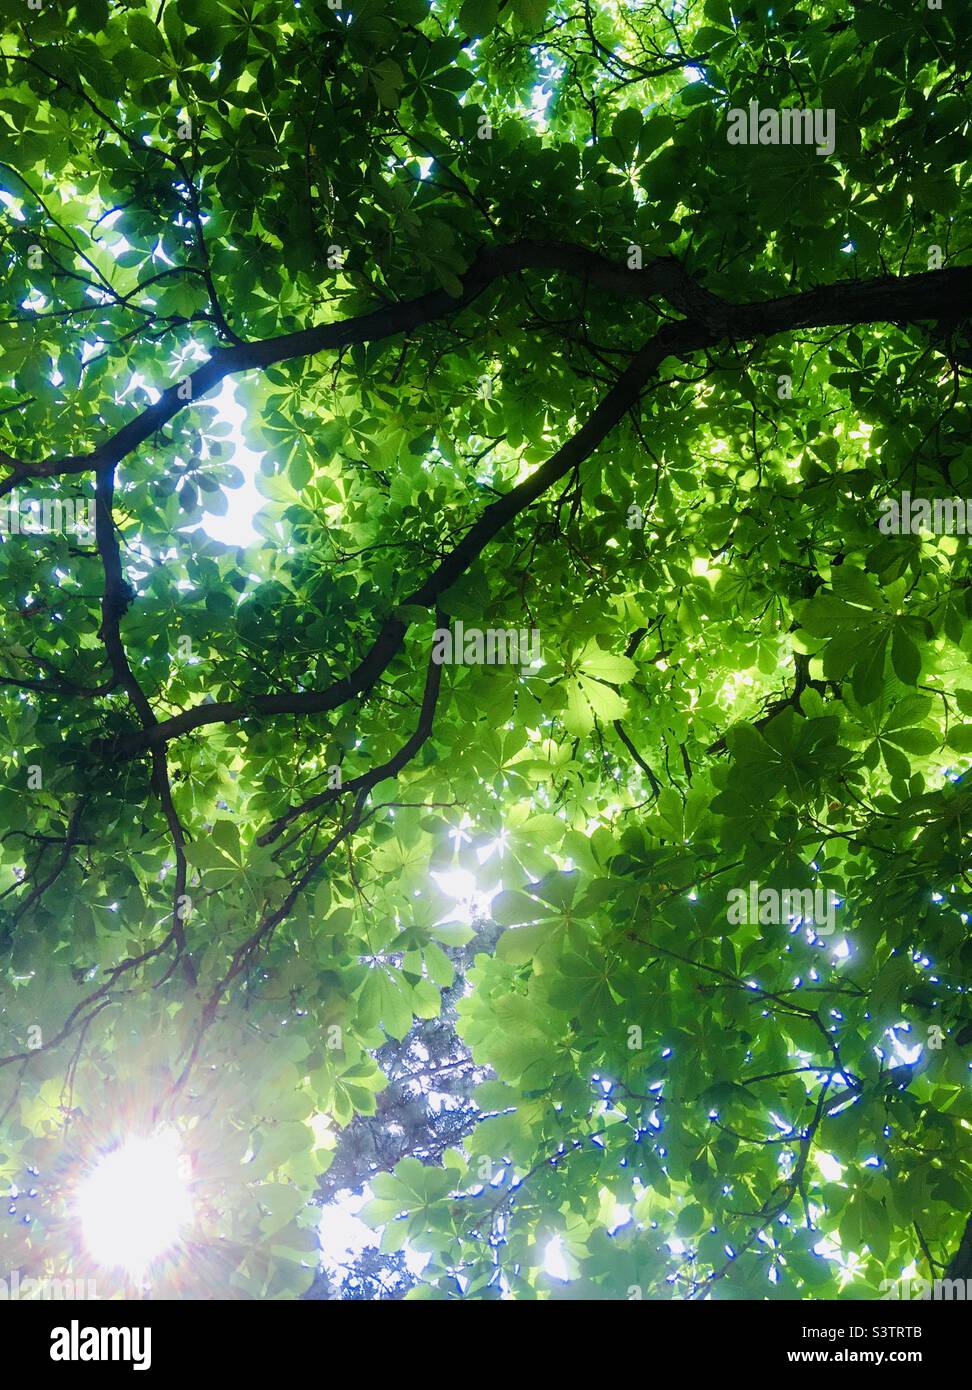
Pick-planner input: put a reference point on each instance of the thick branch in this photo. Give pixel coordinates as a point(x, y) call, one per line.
point(910, 299)
point(367, 780)
point(664, 277)
point(614, 406)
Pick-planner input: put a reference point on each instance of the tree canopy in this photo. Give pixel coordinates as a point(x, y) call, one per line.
point(525, 343)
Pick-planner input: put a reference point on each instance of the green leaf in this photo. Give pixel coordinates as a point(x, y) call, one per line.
point(143, 33)
point(905, 657)
point(607, 666)
point(868, 673)
point(627, 128)
point(477, 17)
point(512, 908)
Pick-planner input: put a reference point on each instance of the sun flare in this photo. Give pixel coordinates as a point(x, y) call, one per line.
point(134, 1205)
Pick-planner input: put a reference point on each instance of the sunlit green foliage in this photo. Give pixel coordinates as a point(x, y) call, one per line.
point(743, 679)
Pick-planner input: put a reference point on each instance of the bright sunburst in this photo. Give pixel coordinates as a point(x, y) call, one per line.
point(134, 1205)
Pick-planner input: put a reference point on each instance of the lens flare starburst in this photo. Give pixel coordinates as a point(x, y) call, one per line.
point(135, 1203)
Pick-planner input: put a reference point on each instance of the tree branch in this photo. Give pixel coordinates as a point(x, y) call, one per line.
point(910, 299)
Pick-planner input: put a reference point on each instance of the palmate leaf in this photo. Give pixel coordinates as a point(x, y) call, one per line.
point(589, 692)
